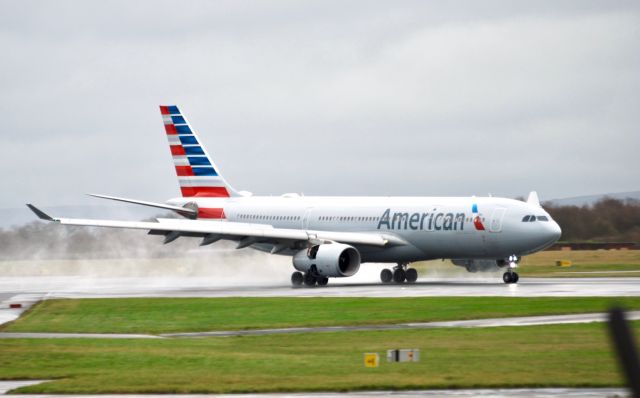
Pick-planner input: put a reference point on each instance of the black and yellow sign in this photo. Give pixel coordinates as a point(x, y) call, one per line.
point(371, 360)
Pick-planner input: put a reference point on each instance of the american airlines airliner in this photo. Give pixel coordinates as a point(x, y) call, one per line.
point(330, 237)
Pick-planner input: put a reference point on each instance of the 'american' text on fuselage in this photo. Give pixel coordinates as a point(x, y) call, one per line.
point(422, 221)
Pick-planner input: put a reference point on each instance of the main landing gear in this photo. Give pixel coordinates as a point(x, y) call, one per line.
point(400, 274)
point(511, 276)
point(309, 280)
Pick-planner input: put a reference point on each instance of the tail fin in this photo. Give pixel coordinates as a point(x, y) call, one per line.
point(197, 174)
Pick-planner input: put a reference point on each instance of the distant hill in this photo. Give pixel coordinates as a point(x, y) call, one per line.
point(591, 199)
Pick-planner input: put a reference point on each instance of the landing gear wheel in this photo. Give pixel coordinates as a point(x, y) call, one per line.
point(398, 275)
point(297, 278)
point(323, 281)
point(411, 275)
point(510, 277)
point(309, 280)
point(386, 275)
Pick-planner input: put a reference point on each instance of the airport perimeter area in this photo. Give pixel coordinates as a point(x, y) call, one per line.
point(112, 334)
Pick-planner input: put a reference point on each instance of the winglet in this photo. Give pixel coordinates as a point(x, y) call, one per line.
point(41, 214)
point(533, 199)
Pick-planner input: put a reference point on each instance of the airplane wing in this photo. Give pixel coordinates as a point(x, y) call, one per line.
point(246, 234)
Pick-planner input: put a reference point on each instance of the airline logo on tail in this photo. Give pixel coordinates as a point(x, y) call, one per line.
point(196, 173)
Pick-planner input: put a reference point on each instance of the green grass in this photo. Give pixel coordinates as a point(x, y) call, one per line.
point(585, 264)
point(535, 356)
point(169, 315)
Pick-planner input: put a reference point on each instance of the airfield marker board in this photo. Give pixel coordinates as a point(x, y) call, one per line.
point(371, 360)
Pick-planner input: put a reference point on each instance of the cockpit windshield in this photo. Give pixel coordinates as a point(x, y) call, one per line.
point(532, 218)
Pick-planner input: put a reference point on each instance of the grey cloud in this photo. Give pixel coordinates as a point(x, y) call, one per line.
point(322, 97)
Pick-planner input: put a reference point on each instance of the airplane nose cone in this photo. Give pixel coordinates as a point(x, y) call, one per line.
point(548, 234)
point(555, 232)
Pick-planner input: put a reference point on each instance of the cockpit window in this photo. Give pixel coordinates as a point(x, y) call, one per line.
point(526, 218)
point(543, 218)
point(532, 219)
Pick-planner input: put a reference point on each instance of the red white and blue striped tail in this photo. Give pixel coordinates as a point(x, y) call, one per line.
point(198, 176)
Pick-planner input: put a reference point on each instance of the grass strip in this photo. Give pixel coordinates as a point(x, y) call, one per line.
point(585, 264)
point(604, 262)
point(173, 315)
point(535, 356)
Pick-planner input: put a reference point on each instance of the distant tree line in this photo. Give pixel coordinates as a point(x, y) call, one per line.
point(608, 220)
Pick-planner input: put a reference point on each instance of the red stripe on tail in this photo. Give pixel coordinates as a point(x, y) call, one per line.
point(208, 192)
point(164, 109)
point(184, 171)
point(177, 150)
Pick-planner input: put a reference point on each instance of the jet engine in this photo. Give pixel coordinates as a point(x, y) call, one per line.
point(482, 265)
point(328, 260)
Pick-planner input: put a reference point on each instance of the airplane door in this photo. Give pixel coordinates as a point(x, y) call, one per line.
point(306, 217)
point(496, 219)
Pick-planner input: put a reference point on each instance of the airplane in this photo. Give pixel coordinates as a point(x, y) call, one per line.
point(330, 237)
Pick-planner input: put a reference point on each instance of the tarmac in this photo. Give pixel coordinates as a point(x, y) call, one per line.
point(105, 287)
point(6, 386)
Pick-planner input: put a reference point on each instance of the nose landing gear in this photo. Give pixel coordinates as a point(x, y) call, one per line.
point(511, 276)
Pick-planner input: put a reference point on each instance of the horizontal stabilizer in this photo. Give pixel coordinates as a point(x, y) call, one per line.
point(191, 213)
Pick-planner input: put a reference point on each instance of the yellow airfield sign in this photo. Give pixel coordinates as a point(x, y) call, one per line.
point(371, 360)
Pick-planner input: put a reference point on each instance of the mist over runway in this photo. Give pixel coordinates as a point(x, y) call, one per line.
point(227, 273)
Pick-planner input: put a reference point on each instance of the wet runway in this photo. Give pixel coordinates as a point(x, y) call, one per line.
point(82, 287)
point(497, 393)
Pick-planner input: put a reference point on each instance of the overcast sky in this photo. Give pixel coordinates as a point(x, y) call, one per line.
point(335, 98)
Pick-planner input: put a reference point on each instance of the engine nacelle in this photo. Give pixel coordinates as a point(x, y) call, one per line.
point(482, 265)
point(329, 259)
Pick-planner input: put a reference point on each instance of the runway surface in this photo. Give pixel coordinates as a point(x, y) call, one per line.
point(497, 393)
point(86, 287)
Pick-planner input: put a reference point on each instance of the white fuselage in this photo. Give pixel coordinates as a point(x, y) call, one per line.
point(433, 227)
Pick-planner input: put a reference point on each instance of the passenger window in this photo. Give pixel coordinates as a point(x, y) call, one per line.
point(526, 218)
